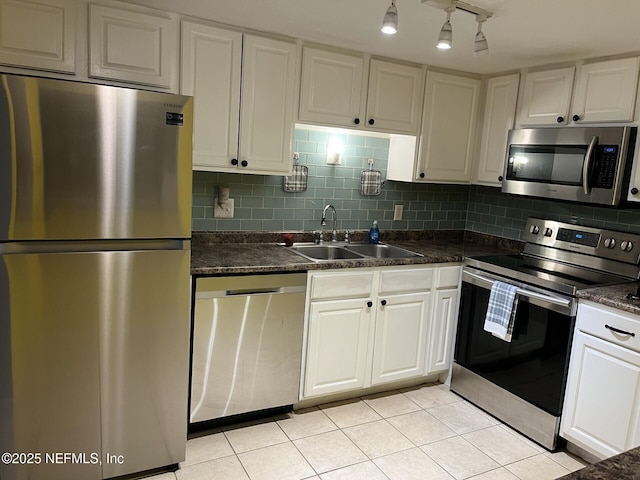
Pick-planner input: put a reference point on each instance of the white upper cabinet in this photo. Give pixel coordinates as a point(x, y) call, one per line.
point(336, 91)
point(332, 87)
point(448, 128)
point(546, 97)
point(133, 46)
point(38, 34)
point(244, 99)
point(606, 91)
point(267, 113)
point(499, 117)
point(394, 97)
point(206, 51)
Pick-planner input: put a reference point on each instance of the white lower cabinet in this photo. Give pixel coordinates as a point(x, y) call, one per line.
point(601, 411)
point(445, 317)
point(399, 346)
point(366, 327)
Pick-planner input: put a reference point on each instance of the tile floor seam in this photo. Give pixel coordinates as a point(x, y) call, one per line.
point(471, 476)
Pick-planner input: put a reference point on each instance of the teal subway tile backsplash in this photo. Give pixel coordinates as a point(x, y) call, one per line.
point(261, 204)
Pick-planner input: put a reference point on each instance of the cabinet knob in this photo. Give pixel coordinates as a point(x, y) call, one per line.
point(575, 118)
point(234, 161)
point(356, 121)
point(383, 302)
point(371, 121)
point(500, 178)
point(634, 191)
point(560, 119)
point(421, 174)
point(244, 163)
point(369, 304)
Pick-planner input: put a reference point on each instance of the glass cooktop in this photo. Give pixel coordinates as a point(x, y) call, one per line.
point(546, 273)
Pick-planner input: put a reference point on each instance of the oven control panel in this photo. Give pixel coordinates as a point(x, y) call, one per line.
point(610, 244)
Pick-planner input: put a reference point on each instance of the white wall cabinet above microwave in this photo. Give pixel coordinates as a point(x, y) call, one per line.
point(546, 97)
point(134, 46)
point(604, 92)
point(244, 89)
point(39, 34)
point(336, 90)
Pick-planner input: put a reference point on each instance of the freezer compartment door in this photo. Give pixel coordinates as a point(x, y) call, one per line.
point(81, 161)
point(94, 360)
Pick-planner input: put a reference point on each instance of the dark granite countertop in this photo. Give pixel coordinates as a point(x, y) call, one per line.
point(614, 296)
point(625, 466)
point(246, 253)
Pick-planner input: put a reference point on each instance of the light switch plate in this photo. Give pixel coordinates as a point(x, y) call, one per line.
point(397, 212)
point(224, 210)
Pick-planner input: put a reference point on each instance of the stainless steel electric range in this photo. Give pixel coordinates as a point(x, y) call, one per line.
point(522, 382)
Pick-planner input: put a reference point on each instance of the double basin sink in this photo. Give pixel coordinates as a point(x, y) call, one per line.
point(351, 251)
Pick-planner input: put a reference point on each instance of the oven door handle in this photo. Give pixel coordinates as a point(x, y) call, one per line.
point(527, 293)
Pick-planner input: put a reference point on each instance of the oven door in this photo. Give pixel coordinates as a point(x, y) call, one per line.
point(533, 366)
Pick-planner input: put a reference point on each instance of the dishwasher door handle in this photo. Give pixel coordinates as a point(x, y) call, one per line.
point(251, 291)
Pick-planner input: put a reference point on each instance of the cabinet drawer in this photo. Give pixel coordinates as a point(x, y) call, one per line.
point(448, 277)
point(340, 284)
point(599, 320)
point(406, 280)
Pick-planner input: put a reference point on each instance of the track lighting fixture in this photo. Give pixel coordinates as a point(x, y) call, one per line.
point(390, 21)
point(480, 46)
point(445, 39)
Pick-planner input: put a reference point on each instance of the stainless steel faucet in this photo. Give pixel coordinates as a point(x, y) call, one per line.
point(334, 233)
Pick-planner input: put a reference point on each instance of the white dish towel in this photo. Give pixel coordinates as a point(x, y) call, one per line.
point(503, 302)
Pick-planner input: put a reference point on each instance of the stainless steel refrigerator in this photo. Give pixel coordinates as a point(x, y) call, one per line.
point(95, 222)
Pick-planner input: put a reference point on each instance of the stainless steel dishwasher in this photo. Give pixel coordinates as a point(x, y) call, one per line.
point(247, 344)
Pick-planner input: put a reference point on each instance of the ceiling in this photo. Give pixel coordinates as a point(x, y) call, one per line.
point(521, 33)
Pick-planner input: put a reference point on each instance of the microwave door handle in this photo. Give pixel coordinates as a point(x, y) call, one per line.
point(586, 170)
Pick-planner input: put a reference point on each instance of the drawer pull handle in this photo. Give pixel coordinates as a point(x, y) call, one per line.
point(617, 330)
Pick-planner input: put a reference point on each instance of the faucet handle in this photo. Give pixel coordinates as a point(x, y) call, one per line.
point(347, 239)
point(317, 237)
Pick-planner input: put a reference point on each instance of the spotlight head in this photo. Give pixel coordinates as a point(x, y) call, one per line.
point(445, 39)
point(390, 21)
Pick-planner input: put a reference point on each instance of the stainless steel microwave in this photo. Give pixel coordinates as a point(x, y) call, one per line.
point(580, 164)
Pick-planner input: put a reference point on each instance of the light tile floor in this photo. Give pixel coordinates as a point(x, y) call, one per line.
point(425, 432)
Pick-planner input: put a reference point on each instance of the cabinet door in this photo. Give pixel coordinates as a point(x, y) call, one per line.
point(332, 88)
point(499, 117)
point(400, 336)
point(267, 105)
point(132, 46)
point(602, 401)
point(443, 327)
point(211, 68)
point(606, 91)
point(448, 130)
point(546, 97)
point(38, 34)
point(338, 357)
point(394, 97)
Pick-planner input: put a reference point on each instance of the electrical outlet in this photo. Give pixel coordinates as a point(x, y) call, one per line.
point(223, 211)
point(397, 212)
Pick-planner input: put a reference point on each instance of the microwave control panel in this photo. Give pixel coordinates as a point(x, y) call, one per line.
point(606, 165)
